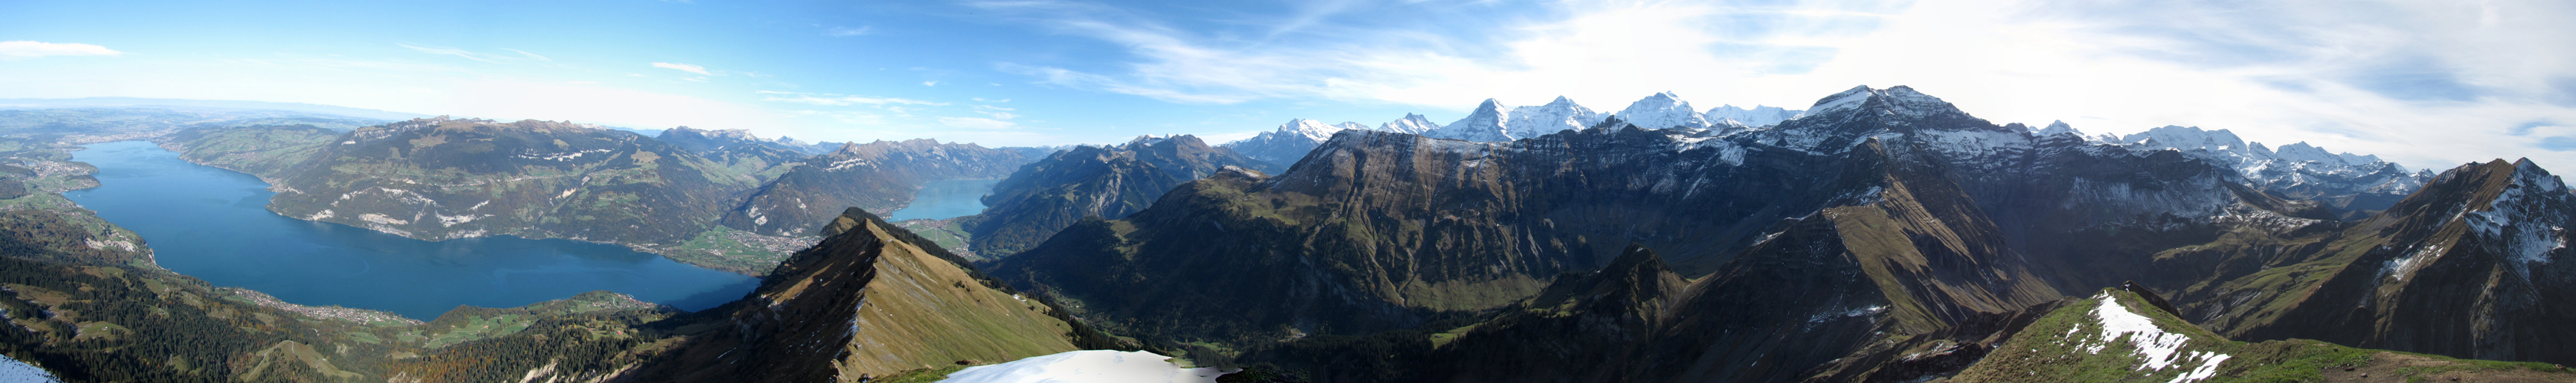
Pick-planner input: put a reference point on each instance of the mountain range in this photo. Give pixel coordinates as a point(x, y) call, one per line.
point(1108, 181)
point(1881, 234)
point(1493, 121)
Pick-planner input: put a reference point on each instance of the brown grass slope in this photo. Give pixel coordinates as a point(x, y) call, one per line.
point(865, 302)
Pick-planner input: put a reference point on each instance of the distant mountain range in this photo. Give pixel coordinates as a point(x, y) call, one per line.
point(1492, 121)
point(1106, 181)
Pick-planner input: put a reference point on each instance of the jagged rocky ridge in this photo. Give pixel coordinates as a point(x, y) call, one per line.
point(2354, 185)
point(1090, 181)
point(869, 301)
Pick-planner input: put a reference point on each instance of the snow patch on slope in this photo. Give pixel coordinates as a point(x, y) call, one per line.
point(2158, 349)
point(1088, 366)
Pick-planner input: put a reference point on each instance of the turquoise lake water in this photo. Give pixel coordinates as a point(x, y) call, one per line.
point(213, 224)
point(946, 199)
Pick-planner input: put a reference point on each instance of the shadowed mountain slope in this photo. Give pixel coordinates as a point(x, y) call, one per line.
point(1105, 181)
point(878, 176)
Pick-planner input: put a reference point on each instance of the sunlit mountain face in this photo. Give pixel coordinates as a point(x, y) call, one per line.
point(1296, 191)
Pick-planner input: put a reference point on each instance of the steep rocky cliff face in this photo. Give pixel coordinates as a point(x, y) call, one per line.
point(2475, 265)
point(1915, 257)
point(878, 176)
point(453, 178)
point(867, 302)
point(1104, 181)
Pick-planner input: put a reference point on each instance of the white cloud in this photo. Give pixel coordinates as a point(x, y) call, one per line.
point(990, 106)
point(530, 55)
point(847, 117)
point(976, 123)
point(12, 50)
point(847, 32)
point(478, 56)
point(839, 100)
point(683, 68)
point(999, 115)
point(930, 83)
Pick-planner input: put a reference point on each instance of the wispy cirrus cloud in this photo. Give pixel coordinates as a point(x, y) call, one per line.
point(979, 123)
point(848, 31)
point(829, 99)
point(683, 68)
point(496, 58)
point(23, 49)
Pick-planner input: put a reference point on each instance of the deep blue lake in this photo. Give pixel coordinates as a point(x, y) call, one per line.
point(213, 224)
point(946, 199)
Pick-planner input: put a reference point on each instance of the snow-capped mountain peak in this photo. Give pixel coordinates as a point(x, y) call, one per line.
point(1492, 122)
point(2059, 127)
point(1848, 99)
point(1410, 124)
point(1757, 116)
point(1899, 100)
point(1292, 140)
point(1663, 110)
point(2298, 170)
point(1311, 129)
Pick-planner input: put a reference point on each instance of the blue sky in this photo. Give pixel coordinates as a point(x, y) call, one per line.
point(2426, 83)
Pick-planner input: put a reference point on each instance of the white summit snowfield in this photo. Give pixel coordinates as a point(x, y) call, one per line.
point(1087, 366)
